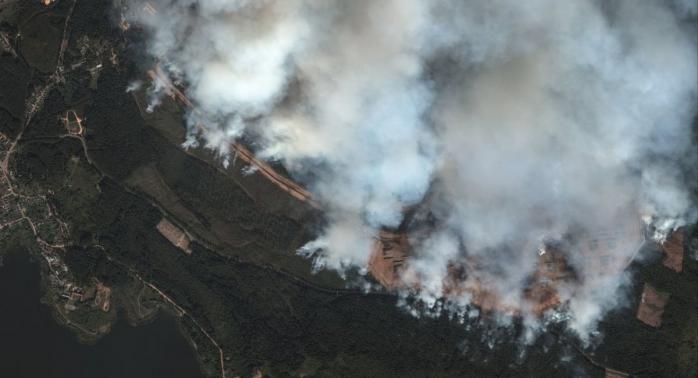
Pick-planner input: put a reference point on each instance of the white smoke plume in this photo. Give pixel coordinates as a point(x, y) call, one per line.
point(510, 123)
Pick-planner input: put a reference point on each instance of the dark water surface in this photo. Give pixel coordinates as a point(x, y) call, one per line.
point(32, 344)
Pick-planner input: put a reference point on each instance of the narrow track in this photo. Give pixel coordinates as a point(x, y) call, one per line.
point(286, 184)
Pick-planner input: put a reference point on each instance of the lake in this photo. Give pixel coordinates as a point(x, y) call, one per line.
point(33, 344)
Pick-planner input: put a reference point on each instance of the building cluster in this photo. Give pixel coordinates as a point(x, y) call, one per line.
point(9, 211)
point(96, 295)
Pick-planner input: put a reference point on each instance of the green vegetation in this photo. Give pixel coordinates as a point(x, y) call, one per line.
point(243, 286)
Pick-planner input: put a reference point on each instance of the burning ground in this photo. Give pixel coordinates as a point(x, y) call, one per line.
point(490, 134)
point(167, 227)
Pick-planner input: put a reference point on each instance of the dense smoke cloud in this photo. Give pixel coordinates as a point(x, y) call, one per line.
point(510, 123)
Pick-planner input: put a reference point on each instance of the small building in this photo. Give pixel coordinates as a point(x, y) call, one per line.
point(651, 306)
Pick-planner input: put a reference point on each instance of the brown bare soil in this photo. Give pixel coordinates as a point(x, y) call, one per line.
point(103, 297)
point(174, 235)
point(387, 257)
point(611, 373)
point(652, 306)
point(390, 258)
point(73, 123)
point(673, 249)
point(147, 179)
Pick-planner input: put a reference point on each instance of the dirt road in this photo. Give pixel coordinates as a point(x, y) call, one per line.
point(286, 184)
